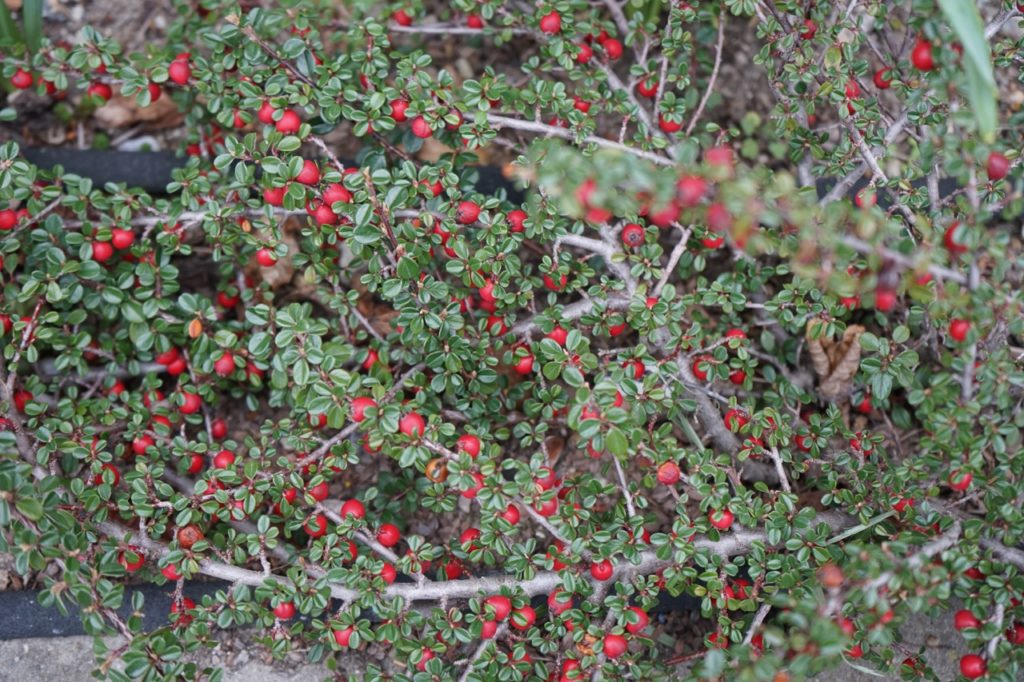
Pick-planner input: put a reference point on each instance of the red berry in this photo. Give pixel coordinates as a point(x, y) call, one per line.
point(121, 239)
point(359, 407)
point(997, 166)
point(274, 196)
point(223, 459)
point(316, 526)
point(809, 30)
point(511, 514)
point(633, 235)
point(265, 114)
point(179, 71)
point(467, 212)
point(289, 122)
point(720, 519)
point(885, 300)
point(336, 192)
point(219, 428)
point(668, 125)
point(170, 571)
point(501, 605)
point(647, 87)
point(690, 190)
point(669, 473)
point(196, 461)
point(342, 637)
point(547, 507)
point(735, 420)
point(559, 602)
point(700, 367)
point(142, 443)
point(852, 89)
point(960, 480)
point(524, 617)
point(284, 611)
point(323, 215)
point(551, 23)
point(22, 79)
point(420, 128)
point(552, 285)
point(98, 478)
point(402, 18)
point(524, 365)
point(469, 444)
point(738, 377)
point(612, 48)
point(102, 251)
point(100, 91)
point(642, 620)
point(412, 425)
point(614, 646)
point(388, 535)
point(178, 610)
point(488, 629)
point(8, 219)
point(964, 619)
point(320, 491)
point(310, 173)
point(132, 559)
point(427, 656)
point(558, 335)
point(1015, 634)
point(602, 570)
point(883, 78)
point(190, 403)
point(958, 329)
point(972, 666)
point(585, 54)
point(266, 257)
point(949, 239)
point(478, 485)
point(225, 364)
point(921, 57)
point(398, 108)
point(515, 220)
point(353, 508)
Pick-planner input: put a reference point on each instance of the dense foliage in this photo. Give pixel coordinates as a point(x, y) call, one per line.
point(491, 431)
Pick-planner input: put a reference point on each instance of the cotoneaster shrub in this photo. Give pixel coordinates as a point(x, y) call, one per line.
point(671, 369)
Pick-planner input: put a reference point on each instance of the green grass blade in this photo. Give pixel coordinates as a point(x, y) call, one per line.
point(8, 29)
point(32, 16)
point(966, 22)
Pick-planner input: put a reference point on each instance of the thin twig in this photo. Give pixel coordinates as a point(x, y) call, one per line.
point(714, 74)
point(566, 134)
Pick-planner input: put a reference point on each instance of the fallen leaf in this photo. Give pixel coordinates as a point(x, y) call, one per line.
point(121, 112)
point(835, 362)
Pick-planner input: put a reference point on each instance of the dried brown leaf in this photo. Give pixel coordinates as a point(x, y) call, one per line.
point(835, 362)
point(121, 112)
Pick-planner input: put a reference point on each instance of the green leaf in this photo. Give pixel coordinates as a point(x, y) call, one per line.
point(30, 507)
point(966, 22)
point(32, 17)
point(616, 442)
point(8, 29)
point(289, 144)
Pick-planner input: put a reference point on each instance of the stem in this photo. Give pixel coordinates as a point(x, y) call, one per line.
point(714, 74)
point(557, 131)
